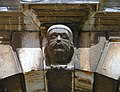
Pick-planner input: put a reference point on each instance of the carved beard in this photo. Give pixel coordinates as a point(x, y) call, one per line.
point(60, 47)
point(59, 53)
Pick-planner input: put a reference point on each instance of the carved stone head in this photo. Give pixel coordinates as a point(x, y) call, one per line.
point(59, 49)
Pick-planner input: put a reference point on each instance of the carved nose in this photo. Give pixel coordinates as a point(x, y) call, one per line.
point(58, 39)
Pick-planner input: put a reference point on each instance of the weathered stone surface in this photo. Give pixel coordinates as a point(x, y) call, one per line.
point(25, 40)
point(29, 52)
point(11, 71)
point(59, 19)
point(89, 46)
point(59, 1)
point(105, 84)
point(109, 4)
point(87, 56)
point(16, 40)
point(103, 21)
point(64, 13)
point(30, 55)
point(30, 58)
point(11, 20)
point(8, 59)
point(31, 23)
point(60, 13)
point(109, 61)
point(107, 76)
point(59, 6)
point(35, 81)
point(96, 51)
point(83, 81)
point(17, 82)
point(11, 14)
point(5, 37)
point(11, 3)
point(114, 36)
point(59, 80)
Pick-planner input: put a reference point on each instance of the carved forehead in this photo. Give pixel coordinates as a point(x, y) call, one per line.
point(60, 28)
point(59, 31)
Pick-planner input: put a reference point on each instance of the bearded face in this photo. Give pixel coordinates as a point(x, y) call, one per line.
point(59, 46)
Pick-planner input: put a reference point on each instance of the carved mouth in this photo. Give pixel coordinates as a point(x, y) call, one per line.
point(58, 47)
point(59, 50)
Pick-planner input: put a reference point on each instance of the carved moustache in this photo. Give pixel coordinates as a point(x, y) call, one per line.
point(61, 46)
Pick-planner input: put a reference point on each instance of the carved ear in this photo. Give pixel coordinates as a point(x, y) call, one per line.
point(71, 53)
point(47, 60)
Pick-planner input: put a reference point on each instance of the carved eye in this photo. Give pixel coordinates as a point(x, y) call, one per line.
point(53, 36)
point(64, 36)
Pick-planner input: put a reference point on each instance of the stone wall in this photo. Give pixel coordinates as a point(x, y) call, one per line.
point(25, 30)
